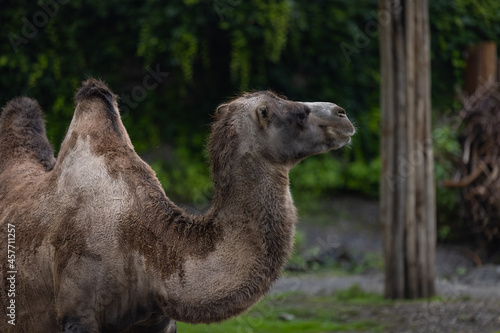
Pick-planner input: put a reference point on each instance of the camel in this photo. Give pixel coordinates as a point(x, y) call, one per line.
point(98, 247)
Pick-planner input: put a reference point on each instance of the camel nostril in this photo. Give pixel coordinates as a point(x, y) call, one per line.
point(340, 111)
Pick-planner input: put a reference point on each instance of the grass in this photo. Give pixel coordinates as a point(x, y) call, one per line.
point(337, 313)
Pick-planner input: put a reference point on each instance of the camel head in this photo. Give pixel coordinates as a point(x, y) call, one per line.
point(282, 131)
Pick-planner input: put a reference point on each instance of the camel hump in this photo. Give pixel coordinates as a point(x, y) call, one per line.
point(96, 109)
point(94, 88)
point(97, 120)
point(22, 134)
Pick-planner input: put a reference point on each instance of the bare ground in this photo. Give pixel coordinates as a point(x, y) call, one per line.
point(468, 295)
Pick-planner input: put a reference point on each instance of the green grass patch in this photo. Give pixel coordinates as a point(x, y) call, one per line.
point(340, 312)
point(356, 295)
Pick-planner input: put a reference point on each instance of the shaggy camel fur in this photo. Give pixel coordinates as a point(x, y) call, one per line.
point(98, 247)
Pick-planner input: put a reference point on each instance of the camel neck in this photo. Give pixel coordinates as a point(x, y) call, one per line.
point(258, 214)
point(258, 198)
point(256, 219)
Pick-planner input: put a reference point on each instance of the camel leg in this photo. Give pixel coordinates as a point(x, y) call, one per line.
point(157, 323)
point(171, 327)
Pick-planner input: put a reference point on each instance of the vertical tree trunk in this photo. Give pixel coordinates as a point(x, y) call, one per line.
point(407, 181)
point(498, 71)
point(481, 66)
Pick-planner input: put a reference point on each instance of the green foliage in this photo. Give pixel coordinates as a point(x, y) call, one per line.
point(185, 177)
point(355, 294)
point(327, 174)
point(215, 48)
point(364, 176)
point(296, 258)
point(447, 151)
point(315, 176)
point(455, 26)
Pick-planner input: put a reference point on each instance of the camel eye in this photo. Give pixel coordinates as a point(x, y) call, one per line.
point(263, 112)
point(262, 116)
point(303, 115)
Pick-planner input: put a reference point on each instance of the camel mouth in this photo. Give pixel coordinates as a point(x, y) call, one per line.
point(338, 139)
point(335, 134)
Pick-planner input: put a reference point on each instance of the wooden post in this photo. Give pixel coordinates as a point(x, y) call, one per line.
point(481, 66)
point(498, 73)
point(407, 181)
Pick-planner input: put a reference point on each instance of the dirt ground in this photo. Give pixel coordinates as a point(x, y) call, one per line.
point(469, 295)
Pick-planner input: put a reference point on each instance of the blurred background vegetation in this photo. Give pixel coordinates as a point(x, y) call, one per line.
point(326, 50)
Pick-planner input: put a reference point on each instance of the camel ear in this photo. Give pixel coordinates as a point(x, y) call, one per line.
point(221, 110)
point(262, 115)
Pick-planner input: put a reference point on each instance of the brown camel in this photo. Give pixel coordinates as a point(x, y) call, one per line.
point(96, 246)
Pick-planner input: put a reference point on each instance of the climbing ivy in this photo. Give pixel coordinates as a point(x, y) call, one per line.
point(207, 50)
